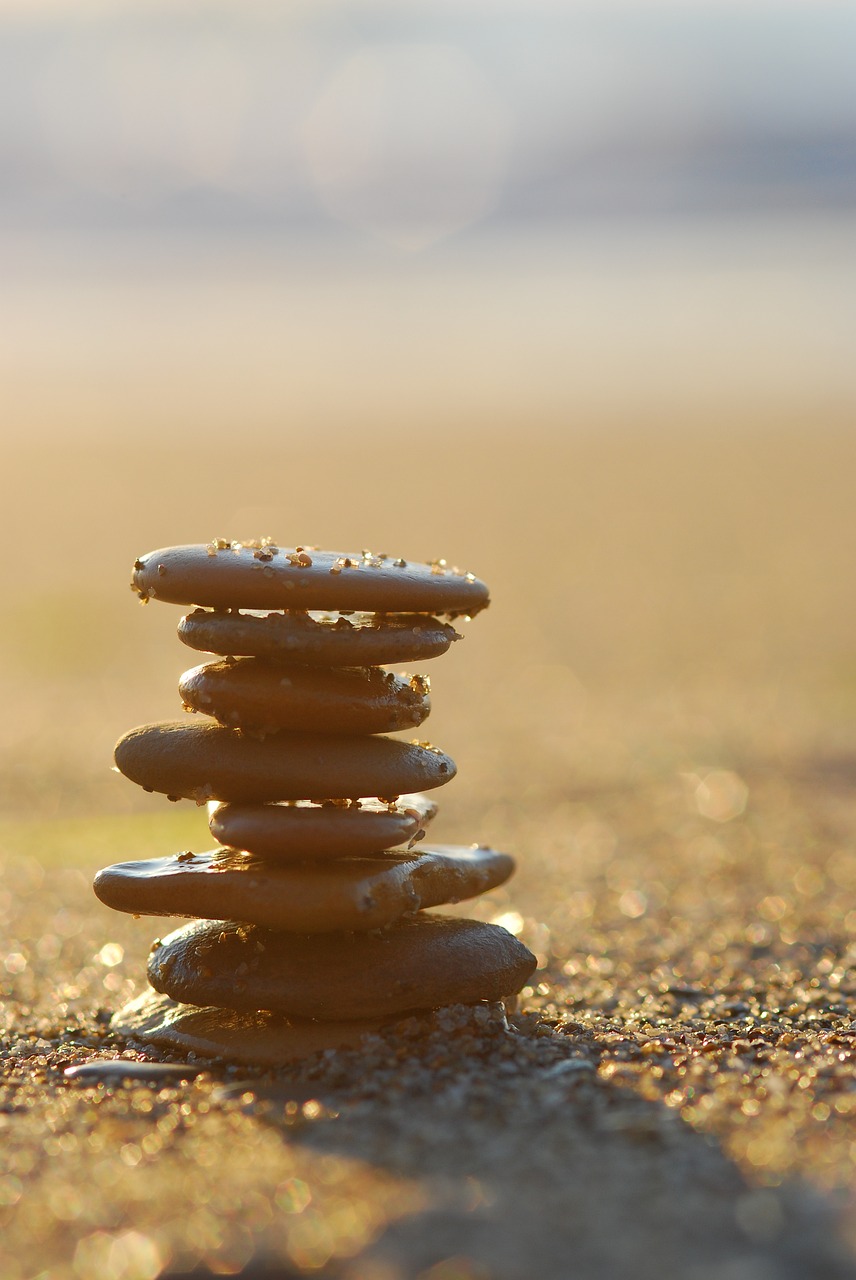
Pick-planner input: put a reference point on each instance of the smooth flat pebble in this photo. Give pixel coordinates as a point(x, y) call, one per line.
point(253, 576)
point(327, 640)
point(257, 1039)
point(349, 893)
point(422, 963)
point(306, 830)
point(205, 761)
point(249, 693)
point(112, 1069)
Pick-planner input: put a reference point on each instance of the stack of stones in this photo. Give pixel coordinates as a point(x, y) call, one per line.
point(312, 925)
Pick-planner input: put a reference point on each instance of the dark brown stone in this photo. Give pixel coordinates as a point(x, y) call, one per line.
point(259, 1039)
point(253, 576)
point(204, 761)
point(303, 831)
point(316, 897)
point(327, 640)
point(248, 693)
point(422, 963)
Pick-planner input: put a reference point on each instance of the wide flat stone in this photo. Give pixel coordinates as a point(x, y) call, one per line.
point(421, 963)
point(306, 830)
point(205, 761)
point(327, 640)
point(254, 576)
point(258, 1039)
point(315, 897)
point(249, 693)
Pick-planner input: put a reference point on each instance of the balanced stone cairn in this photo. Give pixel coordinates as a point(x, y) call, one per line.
point(312, 928)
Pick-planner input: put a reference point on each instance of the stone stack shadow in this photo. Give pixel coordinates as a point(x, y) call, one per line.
point(311, 921)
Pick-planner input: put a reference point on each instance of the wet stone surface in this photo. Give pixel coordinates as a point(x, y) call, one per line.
point(347, 893)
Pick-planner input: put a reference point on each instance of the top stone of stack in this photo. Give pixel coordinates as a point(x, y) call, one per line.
point(261, 575)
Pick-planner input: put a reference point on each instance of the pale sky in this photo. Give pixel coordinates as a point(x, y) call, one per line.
point(414, 122)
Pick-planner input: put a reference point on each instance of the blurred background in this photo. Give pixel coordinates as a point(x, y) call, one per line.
point(564, 292)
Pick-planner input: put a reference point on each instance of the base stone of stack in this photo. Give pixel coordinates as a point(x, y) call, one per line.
point(254, 1039)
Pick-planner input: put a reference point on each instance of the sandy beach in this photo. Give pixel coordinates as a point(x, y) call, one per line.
point(655, 716)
